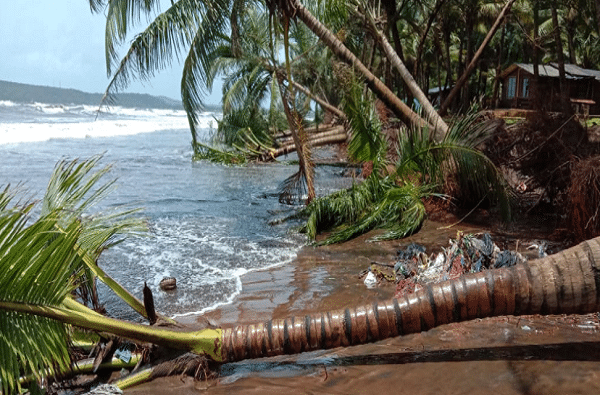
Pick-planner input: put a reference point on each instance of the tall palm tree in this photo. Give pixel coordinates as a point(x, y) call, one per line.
point(200, 26)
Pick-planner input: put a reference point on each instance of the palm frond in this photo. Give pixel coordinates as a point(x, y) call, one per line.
point(36, 263)
point(44, 260)
point(366, 143)
point(400, 210)
point(73, 190)
point(121, 15)
point(345, 206)
point(164, 38)
point(456, 157)
point(97, 5)
point(194, 80)
point(216, 155)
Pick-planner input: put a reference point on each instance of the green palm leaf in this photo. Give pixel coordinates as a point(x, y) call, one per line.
point(164, 38)
point(366, 143)
point(44, 260)
point(74, 189)
point(426, 161)
point(36, 262)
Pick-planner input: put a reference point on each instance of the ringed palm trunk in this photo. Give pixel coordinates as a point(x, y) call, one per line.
point(564, 283)
point(306, 166)
point(433, 117)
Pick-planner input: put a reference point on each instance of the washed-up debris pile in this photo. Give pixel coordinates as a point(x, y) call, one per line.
point(466, 254)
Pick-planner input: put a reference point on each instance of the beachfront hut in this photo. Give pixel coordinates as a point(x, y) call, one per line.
point(583, 86)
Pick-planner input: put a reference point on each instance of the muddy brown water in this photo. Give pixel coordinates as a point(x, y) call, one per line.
point(501, 355)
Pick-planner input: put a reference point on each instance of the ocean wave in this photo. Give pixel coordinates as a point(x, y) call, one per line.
point(206, 260)
point(37, 122)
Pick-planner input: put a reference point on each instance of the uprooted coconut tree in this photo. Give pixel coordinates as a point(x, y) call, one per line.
point(43, 262)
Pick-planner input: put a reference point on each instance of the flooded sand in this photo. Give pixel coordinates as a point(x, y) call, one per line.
point(504, 355)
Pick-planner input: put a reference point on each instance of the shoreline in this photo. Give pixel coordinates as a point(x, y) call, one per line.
point(476, 357)
point(321, 279)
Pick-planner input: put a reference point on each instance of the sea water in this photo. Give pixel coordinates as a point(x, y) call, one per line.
point(208, 223)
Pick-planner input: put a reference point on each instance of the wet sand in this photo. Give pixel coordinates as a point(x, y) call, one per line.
point(503, 355)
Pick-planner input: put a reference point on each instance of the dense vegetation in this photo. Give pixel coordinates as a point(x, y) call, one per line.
point(288, 64)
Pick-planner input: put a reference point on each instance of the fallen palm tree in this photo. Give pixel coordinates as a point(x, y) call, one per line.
point(38, 312)
point(564, 283)
point(314, 133)
point(335, 135)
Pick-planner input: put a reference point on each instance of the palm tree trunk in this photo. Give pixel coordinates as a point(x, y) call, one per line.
point(312, 134)
point(400, 109)
point(334, 110)
point(320, 128)
point(317, 141)
point(305, 163)
point(564, 283)
point(328, 107)
point(473, 63)
point(431, 114)
point(562, 78)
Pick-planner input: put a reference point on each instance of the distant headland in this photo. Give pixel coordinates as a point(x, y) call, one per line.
point(25, 93)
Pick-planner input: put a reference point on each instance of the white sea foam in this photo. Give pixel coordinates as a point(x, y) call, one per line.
point(207, 263)
point(42, 122)
point(8, 103)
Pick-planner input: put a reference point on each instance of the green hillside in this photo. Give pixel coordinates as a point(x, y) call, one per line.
point(25, 93)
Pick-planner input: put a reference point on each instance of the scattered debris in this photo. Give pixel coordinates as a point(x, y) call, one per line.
point(105, 389)
point(370, 280)
point(466, 254)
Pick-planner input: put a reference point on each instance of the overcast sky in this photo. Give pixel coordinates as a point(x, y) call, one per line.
point(61, 43)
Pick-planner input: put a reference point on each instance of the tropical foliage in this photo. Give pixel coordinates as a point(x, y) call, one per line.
point(394, 200)
point(242, 41)
point(48, 260)
point(284, 57)
point(280, 59)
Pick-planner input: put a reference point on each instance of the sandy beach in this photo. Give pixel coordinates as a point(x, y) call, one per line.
point(504, 355)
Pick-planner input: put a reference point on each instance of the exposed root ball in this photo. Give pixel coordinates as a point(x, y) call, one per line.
point(584, 198)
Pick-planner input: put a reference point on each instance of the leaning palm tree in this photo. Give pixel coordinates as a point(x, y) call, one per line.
point(201, 26)
point(394, 201)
